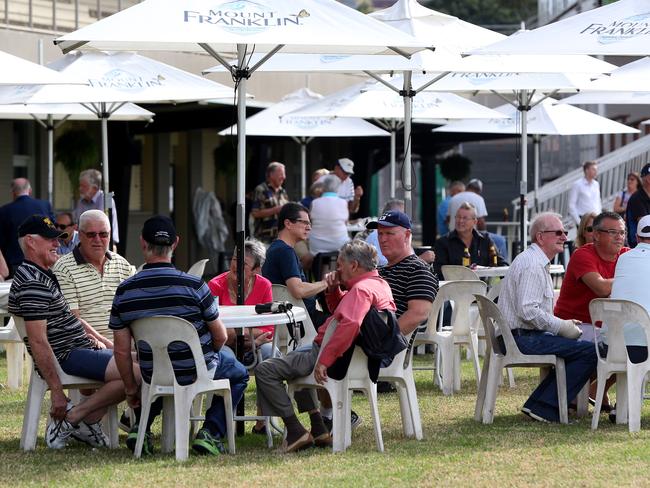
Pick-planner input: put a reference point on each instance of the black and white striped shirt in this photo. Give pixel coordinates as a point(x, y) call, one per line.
point(35, 295)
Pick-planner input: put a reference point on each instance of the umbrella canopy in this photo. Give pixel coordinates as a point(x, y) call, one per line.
point(270, 122)
point(546, 118)
point(619, 28)
point(19, 71)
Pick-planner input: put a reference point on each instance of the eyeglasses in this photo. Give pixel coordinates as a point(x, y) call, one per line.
point(302, 221)
point(613, 232)
point(63, 226)
point(589, 228)
point(92, 235)
point(558, 232)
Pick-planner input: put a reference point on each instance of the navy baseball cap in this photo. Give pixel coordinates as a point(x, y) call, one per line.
point(645, 171)
point(41, 225)
point(392, 218)
point(159, 230)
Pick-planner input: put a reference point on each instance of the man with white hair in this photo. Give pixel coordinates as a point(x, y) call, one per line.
point(526, 303)
point(91, 196)
point(269, 198)
point(472, 195)
point(344, 169)
point(90, 274)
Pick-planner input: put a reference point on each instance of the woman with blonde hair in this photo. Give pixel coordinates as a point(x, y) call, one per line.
point(585, 230)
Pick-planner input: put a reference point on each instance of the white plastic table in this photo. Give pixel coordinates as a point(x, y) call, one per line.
point(500, 271)
point(238, 316)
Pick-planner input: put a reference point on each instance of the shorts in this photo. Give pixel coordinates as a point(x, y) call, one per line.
point(88, 363)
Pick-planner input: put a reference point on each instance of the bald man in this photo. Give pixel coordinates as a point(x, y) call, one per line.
point(13, 214)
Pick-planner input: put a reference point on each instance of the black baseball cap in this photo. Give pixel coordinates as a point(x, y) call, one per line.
point(41, 225)
point(645, 171)
point(159, 230)
point(392, 218)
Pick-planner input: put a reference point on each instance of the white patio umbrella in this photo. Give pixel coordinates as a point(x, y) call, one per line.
point(546, 118)
point(19, 71)
point(52, 116)
point(113, 80)
point(372, 100)
point(619, 28)
point(629, 84)
point(239, 28)
point(271, 122)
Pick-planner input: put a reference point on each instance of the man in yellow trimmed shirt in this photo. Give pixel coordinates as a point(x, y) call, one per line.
point(90, 274)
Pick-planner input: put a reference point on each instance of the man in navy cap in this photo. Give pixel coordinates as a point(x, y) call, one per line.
point(413, 284)
point(55, 334)
point(638, 205)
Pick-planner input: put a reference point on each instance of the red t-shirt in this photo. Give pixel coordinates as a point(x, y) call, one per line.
point(573, 302)
point(261, 293)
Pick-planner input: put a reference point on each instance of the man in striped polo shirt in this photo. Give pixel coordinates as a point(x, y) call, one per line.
point(55, 334)
point(413, 284)
point(160, 289)
point(90, 274)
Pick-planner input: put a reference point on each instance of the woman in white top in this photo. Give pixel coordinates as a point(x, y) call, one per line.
point(329, 217)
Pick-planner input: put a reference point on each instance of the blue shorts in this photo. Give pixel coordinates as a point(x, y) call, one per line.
point(88, 363)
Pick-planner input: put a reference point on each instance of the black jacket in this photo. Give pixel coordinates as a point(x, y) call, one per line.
point(450, 249)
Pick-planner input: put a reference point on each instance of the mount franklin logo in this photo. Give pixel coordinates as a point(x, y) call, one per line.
point(620, 30)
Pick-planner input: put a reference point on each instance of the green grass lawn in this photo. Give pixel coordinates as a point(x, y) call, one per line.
point(456, 451)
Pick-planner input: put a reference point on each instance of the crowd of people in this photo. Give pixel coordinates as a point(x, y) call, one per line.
point(79, 298)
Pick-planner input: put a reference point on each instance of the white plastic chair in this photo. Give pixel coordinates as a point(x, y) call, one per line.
point(198, 268)
point(496, 360)
point(159, 332)
point(15, 354)
point(281, 293)
point(630, 377)
point(36, 395)
point(400, 373)
point(340, 391)
point(454, 272)
point(447, 339)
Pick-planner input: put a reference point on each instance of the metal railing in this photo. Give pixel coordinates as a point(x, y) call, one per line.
point(612, 171)
point(57, 15)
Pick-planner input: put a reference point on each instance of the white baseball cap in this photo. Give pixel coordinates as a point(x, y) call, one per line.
point(643, 228)
point(346, 165)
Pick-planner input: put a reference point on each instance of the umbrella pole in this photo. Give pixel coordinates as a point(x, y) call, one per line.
point(407, 94)
point(50, 159)
point(536, 152)
point(393, 144)
point(108, 196)
point(523, 186)
point(303, 167)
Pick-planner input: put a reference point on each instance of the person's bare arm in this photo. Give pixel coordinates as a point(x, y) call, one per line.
point(618, 205)
point(218, 332)
point(46, 363)
point(416, 313)
point(124, 363)
point(602, 287)
point(95, 336)
point(301, 289)
point(4, 269)
point(353, 205)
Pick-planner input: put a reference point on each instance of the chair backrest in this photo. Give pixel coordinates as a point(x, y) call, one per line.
point(491, 318)
point(452, 272)
point(461, 293)
point(281, 293)
point(161, 330)
point(9, 333)
point(494, 291)
point(616, 314)
point(19, 323)
point(198, 268)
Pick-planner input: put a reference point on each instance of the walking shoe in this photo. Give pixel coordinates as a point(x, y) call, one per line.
point(132, 439)
point(257, 431)
point(385, 387)
point(91, 434)
point(355, 421)
point(58, 432)
point(206, 443)
point(305, 441)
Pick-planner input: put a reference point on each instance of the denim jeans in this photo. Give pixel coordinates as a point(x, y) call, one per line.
point(231, 369)
point(580, 361)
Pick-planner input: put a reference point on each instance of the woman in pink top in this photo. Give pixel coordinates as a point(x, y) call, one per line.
point(257, 289)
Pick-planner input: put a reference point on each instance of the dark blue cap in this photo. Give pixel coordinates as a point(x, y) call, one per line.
point(392, 218)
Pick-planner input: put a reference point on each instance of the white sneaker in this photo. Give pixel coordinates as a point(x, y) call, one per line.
point(91, 434)
point(58, 433)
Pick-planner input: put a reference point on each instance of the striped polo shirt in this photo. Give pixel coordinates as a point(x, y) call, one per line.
point(410, 279)
point(87, 290)
point(35, 295)
point(161, 289)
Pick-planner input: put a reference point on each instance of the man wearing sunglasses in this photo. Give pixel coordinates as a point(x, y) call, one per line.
point(590, 272)
point(526, 302)
point(65, 223)
point(90, 274)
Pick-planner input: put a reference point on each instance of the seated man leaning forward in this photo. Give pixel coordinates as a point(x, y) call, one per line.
point(54, 334)
point(526, 302)
point(90, 274)
point(160, 289)
point(356, 272)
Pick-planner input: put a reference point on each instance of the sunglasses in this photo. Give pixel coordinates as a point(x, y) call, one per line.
point(92, 235)
point(589, 228)
point(63, 226)
point(558, 233)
